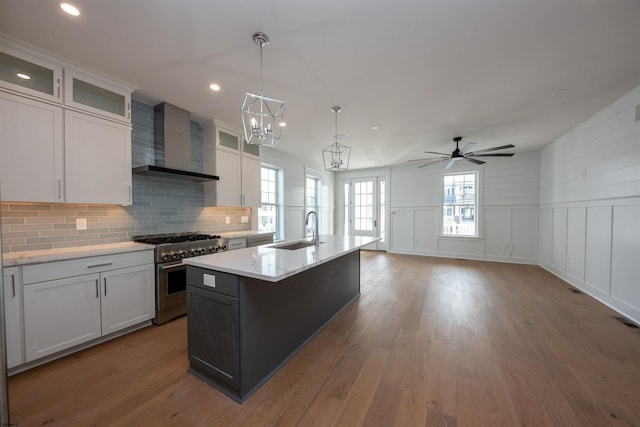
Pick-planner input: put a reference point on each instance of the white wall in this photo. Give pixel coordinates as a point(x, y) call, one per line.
point(293, 174)
point(508, 217)
point(590, 206)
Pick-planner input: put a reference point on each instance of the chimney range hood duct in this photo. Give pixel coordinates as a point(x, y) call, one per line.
point(172, 140)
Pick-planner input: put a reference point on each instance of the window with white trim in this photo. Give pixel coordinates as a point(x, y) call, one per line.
point(460, 204)
point(268, 213)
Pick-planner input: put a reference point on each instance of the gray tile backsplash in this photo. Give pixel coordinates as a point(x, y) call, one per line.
point(160, 205)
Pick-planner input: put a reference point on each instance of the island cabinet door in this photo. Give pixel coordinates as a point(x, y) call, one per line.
point(214, 334)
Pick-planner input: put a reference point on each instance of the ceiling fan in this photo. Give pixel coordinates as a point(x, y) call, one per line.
point(464, 154)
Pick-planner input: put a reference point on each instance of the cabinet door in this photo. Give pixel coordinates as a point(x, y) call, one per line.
point(227, 140)
point(128, 297)
point(228, 169)
point(251, 182)
point(13, 316)
point(31, 143)
point(29, 75)
point(97, 160)
point(213, 334)
point(90, 94)
point(60, 314)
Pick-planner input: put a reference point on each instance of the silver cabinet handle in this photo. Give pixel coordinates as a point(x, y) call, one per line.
point(104, 264)
point(59, 189)
point(97, 289)
point(58, 88)
point(105, 285)
point(13, 284)
point(128, 110)
point(130, 195)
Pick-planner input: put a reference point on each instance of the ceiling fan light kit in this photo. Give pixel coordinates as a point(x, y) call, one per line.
point(336, 156)
point(262, 117)
point(464, 153)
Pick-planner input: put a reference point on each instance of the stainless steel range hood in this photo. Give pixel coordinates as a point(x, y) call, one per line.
point(172, 141)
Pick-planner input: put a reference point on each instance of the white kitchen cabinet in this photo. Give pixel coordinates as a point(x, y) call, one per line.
point(97, 160)
point(238, 166)
point(127, 299)
point(13, 315)
point(71, 302)
point(59, 314)
point(29, 74)
point(88, 93)
point(31, 140)
point(79, 143)
point(251, 195)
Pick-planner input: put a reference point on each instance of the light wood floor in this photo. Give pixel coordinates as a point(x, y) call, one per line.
point(431, 342)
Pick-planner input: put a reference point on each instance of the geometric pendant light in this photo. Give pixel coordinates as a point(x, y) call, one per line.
point(262, 117)
point(336, 156)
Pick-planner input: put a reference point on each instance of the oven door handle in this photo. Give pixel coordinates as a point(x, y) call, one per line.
point(171, 267)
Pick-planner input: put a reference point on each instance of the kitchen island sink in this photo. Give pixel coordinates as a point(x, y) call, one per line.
point(295, 245)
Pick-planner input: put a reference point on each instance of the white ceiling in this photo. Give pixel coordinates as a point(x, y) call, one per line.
point(494, 71)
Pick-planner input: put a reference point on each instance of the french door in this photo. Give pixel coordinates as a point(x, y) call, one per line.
point(365, 209)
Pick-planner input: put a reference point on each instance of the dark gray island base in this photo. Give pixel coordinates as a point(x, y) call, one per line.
point(244, 329)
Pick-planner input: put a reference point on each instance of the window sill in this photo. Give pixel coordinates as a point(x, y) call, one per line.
point(449, 236)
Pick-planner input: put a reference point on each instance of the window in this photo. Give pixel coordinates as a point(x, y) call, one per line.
point(312, 198)
point(460, 204)
point(268, 218)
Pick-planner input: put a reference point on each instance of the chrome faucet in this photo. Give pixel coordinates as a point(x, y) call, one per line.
point(316, 237)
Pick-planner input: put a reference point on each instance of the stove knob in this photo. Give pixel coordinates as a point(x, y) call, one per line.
point(183, 253)
point(202, 250)
point(172, 255)
point(212, 249)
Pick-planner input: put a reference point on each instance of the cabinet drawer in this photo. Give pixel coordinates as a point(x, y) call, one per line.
point(75, 267)
point(225, 283)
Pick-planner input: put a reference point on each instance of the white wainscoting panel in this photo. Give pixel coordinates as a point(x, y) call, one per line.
point(402, 226)
point(559, 239)
point(576, 236)
point(625, 256)
point(545, 231)
point(524, 234)
point(497, 231)
point(598, 248)
point(425, 226)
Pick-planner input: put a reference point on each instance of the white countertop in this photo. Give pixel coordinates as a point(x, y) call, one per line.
point(271, 264)
point(47, 255)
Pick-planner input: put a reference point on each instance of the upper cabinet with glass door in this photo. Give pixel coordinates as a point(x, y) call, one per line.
point(232, 141)
point(29, 75)
point(88, 93)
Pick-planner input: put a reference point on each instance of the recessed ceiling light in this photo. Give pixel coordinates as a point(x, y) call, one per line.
point(562, 91)
point(70, 9)
point(282, 124)
point(214, 87)
point(375, 128)
point(23, 76)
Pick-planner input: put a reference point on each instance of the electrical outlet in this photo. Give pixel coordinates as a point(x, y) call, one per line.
point(81, 223)
point(209, 280)
point(227, 220)
point(507, 247)
point(244, 219)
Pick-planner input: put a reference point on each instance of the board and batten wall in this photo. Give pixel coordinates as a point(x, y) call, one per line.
point(292, 173)
point(508, 210)
point(590, 206)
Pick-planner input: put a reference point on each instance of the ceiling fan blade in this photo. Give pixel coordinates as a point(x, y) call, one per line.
point(431, 163)
point(477, 162)
point(468, 146)
point(491, 155)
point(451, 162)
point(435, 152)
point(493, 149)
point(426, 160)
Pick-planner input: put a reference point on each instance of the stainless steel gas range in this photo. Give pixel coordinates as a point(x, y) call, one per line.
point(171, 274)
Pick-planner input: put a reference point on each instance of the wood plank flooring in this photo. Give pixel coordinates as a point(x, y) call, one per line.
point(431, 342)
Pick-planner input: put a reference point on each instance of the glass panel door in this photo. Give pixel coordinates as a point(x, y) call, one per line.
point(365, 207)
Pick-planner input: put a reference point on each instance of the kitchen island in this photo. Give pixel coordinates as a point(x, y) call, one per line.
point(252, 309)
